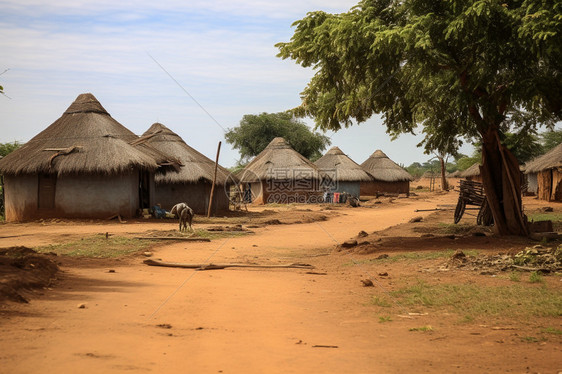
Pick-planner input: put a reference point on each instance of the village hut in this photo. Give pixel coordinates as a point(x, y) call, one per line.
point(472, 173)
point(546, 170)
point(340, 173)
point(192, 183)
point(531, 183)
point(454, 174)
point(83, 166)
point(389, 177)
point(279, 174)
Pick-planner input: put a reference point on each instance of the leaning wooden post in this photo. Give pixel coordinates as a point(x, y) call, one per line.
point(214, 181)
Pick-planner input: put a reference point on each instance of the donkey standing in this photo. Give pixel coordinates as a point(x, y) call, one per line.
point(185, 215)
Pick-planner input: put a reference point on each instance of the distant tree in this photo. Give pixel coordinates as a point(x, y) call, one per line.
point(415, 169)
point(257, 131)
point(465, 162)
point(460, 69)
point(6, 148)
point(550, 139)
point(524, 146)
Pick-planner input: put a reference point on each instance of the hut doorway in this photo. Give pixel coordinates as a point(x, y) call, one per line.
point(144, 189)
point(46, 191)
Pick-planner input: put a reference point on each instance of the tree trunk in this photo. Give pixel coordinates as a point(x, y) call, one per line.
point(502, 184)
point(444, 183)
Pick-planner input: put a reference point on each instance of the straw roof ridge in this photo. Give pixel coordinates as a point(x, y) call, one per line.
point(472, 171)
point(281, 160)
point(85, 139)
point(550, 160)
point(346, 170)
point(195, 166)
point(384, 169)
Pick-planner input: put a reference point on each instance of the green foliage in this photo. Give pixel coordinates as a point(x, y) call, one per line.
point(456, 68)
point(465, 162)
point(524, 146)
point(383, 319)
point(6, 148)
point(551, 139)
point(417, 169)
point(515, 276)
point(552, 330)
point(257, 131)
point(475, 301)
point(535, 277)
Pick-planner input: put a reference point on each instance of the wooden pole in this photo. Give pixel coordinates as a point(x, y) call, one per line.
point(214, 181)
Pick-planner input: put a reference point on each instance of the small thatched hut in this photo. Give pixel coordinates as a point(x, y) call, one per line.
point(454, 174)
point(83, 165)
point(472, 173)
point(340, 173)
point(279, 174)
point(389, 177)
point(547, 171)
point(192, 183)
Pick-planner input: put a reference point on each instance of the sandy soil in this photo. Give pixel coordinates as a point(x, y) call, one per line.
point(168, 320)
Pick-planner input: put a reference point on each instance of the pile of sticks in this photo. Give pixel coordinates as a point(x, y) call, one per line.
point(472, 193)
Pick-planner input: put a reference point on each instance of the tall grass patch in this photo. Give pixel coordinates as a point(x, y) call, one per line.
point(473, 302)
point(98, 246)
point(556, 219)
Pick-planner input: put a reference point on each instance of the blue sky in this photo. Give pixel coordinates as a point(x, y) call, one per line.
point(221, 52)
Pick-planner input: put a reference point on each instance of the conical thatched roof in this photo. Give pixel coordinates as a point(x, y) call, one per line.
point(195, 166)
point(279, 161)
point(472, 171)
point(550, 160)
point(346, 170)
point(85, 139)
point(454, 174)
point(384, 169)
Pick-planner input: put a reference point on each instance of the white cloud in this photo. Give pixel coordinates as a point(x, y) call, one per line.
point(221, 52)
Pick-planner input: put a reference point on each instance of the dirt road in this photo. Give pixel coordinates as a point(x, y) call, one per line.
point(166, 320)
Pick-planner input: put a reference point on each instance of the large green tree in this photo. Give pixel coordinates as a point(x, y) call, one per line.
point(257, 131)
point(457, 68)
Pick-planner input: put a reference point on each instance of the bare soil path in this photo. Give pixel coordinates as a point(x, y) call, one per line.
point(166, 320)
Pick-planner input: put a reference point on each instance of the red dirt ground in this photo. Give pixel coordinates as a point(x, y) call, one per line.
point(168, 320)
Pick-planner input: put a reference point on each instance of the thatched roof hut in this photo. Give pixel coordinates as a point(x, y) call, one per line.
point(546, 172)
point(384, 169)
point(472, 173)
point(277, 156)
point(281, 174)
point(85, 139)
point(550, 160)
point(83, 165)
point(389, 176)
point(196, 167)
point(347, 170)
point(455, 174)
point(191, 183)
point(340, 173)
